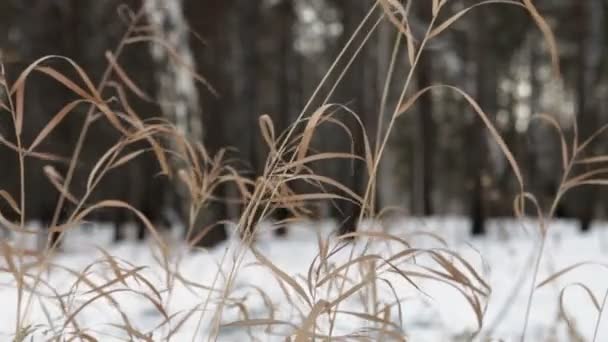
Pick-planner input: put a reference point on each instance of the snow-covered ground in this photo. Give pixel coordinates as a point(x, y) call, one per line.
point(435, 312)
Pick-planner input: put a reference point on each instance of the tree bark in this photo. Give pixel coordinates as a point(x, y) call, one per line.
point(589, 15)
point(287, 85)
point(179, 99)
point(422, 186)
point(353, 93)
point(485, 83)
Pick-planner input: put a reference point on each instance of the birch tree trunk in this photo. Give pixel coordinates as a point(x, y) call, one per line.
point(179, 99)
point(177, 91)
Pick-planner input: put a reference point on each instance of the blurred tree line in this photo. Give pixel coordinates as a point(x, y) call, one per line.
point(267, 56)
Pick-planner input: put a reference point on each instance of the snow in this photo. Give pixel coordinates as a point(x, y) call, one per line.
point(504, 259)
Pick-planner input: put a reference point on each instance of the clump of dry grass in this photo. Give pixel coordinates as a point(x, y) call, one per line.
point(345, 269)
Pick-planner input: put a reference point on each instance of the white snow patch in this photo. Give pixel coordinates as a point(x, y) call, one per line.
point(504, 258)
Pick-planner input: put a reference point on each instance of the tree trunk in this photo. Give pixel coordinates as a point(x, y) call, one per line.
point(179, 98)
point(286, 85)
point(210, 20)
point(477, 144)
point(424, 151)
point(245, 93)
point(589, 16)
point(176, 85)
point(353, 92)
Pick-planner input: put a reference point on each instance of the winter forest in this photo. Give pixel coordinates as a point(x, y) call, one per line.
point(303, 170)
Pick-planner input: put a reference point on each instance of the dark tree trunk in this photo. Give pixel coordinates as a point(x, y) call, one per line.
point(424, 151)
point(286, 83)
point(210, 20)
point(589, 14)
point(246, 67)
point(44, 34)
point(354, 93)
point(477, 150)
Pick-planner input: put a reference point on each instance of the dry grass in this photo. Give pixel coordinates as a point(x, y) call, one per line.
point(319, 297)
